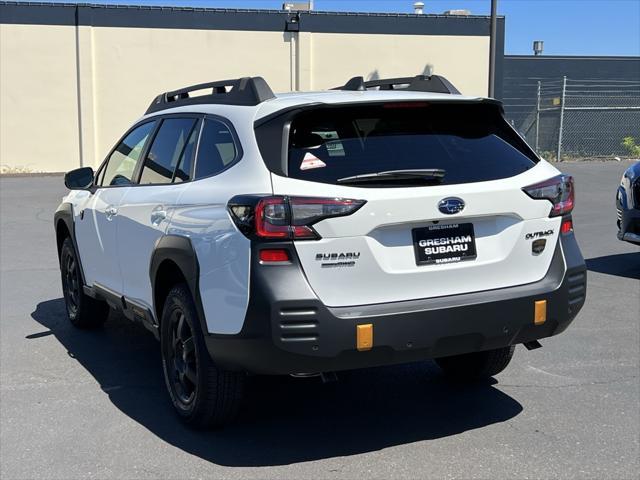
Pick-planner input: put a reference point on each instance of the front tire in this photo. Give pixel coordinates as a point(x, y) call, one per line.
point(477, 365)
point(83, 311)
point(203, 395)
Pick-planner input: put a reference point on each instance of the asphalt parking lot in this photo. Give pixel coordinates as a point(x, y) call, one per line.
point(77, 404)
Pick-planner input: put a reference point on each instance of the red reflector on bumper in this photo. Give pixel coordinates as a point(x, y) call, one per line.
point(566, 227)
point(274, 255)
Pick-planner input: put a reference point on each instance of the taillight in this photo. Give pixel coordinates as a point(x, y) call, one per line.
point(281, 218)
point(558, 190)
point(272, 218)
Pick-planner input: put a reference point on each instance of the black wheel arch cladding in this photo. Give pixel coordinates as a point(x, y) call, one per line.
point(178, 251)
point(64, 225)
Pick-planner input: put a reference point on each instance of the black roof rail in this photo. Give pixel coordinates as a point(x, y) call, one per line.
point(247, 91)
point(419, 83)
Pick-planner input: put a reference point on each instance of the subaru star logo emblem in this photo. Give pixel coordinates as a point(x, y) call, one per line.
point(451, 205)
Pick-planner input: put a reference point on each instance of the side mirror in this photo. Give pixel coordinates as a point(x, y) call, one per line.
point(79, 179)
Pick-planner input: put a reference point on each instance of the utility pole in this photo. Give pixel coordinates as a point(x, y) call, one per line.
point(492, 48)
point(564, 91)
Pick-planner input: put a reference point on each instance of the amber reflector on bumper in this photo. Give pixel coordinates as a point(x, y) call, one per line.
point(540, 314)
point(364, 337)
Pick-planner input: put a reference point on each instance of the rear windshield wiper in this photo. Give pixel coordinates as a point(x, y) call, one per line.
point(428, 174)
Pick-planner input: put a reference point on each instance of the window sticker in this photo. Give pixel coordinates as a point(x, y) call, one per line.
point(310, 161)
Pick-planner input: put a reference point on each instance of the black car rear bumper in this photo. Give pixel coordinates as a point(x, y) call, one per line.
point(628, 206)
point(629, 225)
point(289, 330)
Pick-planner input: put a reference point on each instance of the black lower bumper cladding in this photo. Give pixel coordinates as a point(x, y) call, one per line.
point(289, 330)
point(629, 225)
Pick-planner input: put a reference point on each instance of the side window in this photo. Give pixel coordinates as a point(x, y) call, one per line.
point(167, 150)
point(217, 149)
point(122, 162)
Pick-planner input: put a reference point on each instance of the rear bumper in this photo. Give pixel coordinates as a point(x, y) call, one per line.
point(628, 211)
point(289, 330)
point(629, 225)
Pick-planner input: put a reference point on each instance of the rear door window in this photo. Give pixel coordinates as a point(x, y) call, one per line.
point(173, 141)
point(470, 143)
point(185, 163)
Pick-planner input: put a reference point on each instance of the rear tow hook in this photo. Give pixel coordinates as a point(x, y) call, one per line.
point(532, 345)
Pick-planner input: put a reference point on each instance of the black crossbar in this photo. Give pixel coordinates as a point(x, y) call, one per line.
point(419, 83)
point(247, 91)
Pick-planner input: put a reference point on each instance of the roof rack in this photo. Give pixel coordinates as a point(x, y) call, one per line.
point(247, 91)
point(419, 83)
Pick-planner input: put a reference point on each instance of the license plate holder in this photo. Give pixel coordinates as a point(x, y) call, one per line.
point(444, 243)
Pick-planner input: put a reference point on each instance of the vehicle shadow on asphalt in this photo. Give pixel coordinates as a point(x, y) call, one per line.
point(284, 420)
point(622, 265)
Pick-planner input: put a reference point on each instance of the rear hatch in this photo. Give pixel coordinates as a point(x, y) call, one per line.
point(444, 209)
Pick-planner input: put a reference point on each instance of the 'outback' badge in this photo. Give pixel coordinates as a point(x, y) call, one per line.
point(533, 235)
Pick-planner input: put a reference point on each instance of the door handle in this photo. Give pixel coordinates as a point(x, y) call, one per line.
point(110, 212)
point(158, 215)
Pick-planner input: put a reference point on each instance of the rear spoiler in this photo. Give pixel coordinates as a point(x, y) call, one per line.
point(305, 106)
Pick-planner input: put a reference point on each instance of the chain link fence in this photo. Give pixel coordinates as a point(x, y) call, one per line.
point(585, 119)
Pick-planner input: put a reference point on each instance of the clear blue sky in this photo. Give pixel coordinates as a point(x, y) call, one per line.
point(568, 27)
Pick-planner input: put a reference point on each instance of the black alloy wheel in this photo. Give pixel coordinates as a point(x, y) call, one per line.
point(203, 395)
point(182, 358)
point(82, 310)
point(71, 282)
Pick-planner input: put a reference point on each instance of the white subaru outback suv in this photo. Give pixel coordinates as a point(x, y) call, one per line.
point(378, 223)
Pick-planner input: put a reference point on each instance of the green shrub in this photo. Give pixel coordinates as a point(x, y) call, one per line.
point(630, 145)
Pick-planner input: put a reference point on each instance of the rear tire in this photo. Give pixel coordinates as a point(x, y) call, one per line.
point(203, 395)
point(477, 365)
point(83, 311)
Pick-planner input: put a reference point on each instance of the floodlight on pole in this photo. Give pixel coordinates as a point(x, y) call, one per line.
point(538, 46)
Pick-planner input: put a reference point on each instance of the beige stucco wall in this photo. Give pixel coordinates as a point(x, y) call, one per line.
point(133, 65)
point(462, 59)
point(38, 98)
point(67, 93)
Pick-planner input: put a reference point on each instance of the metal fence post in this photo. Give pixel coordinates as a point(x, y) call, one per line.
point(538, 119)
point(564, 90)
point(590, 118)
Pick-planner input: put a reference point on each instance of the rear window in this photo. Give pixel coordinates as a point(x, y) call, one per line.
point(217, 149)
point(470, 142)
